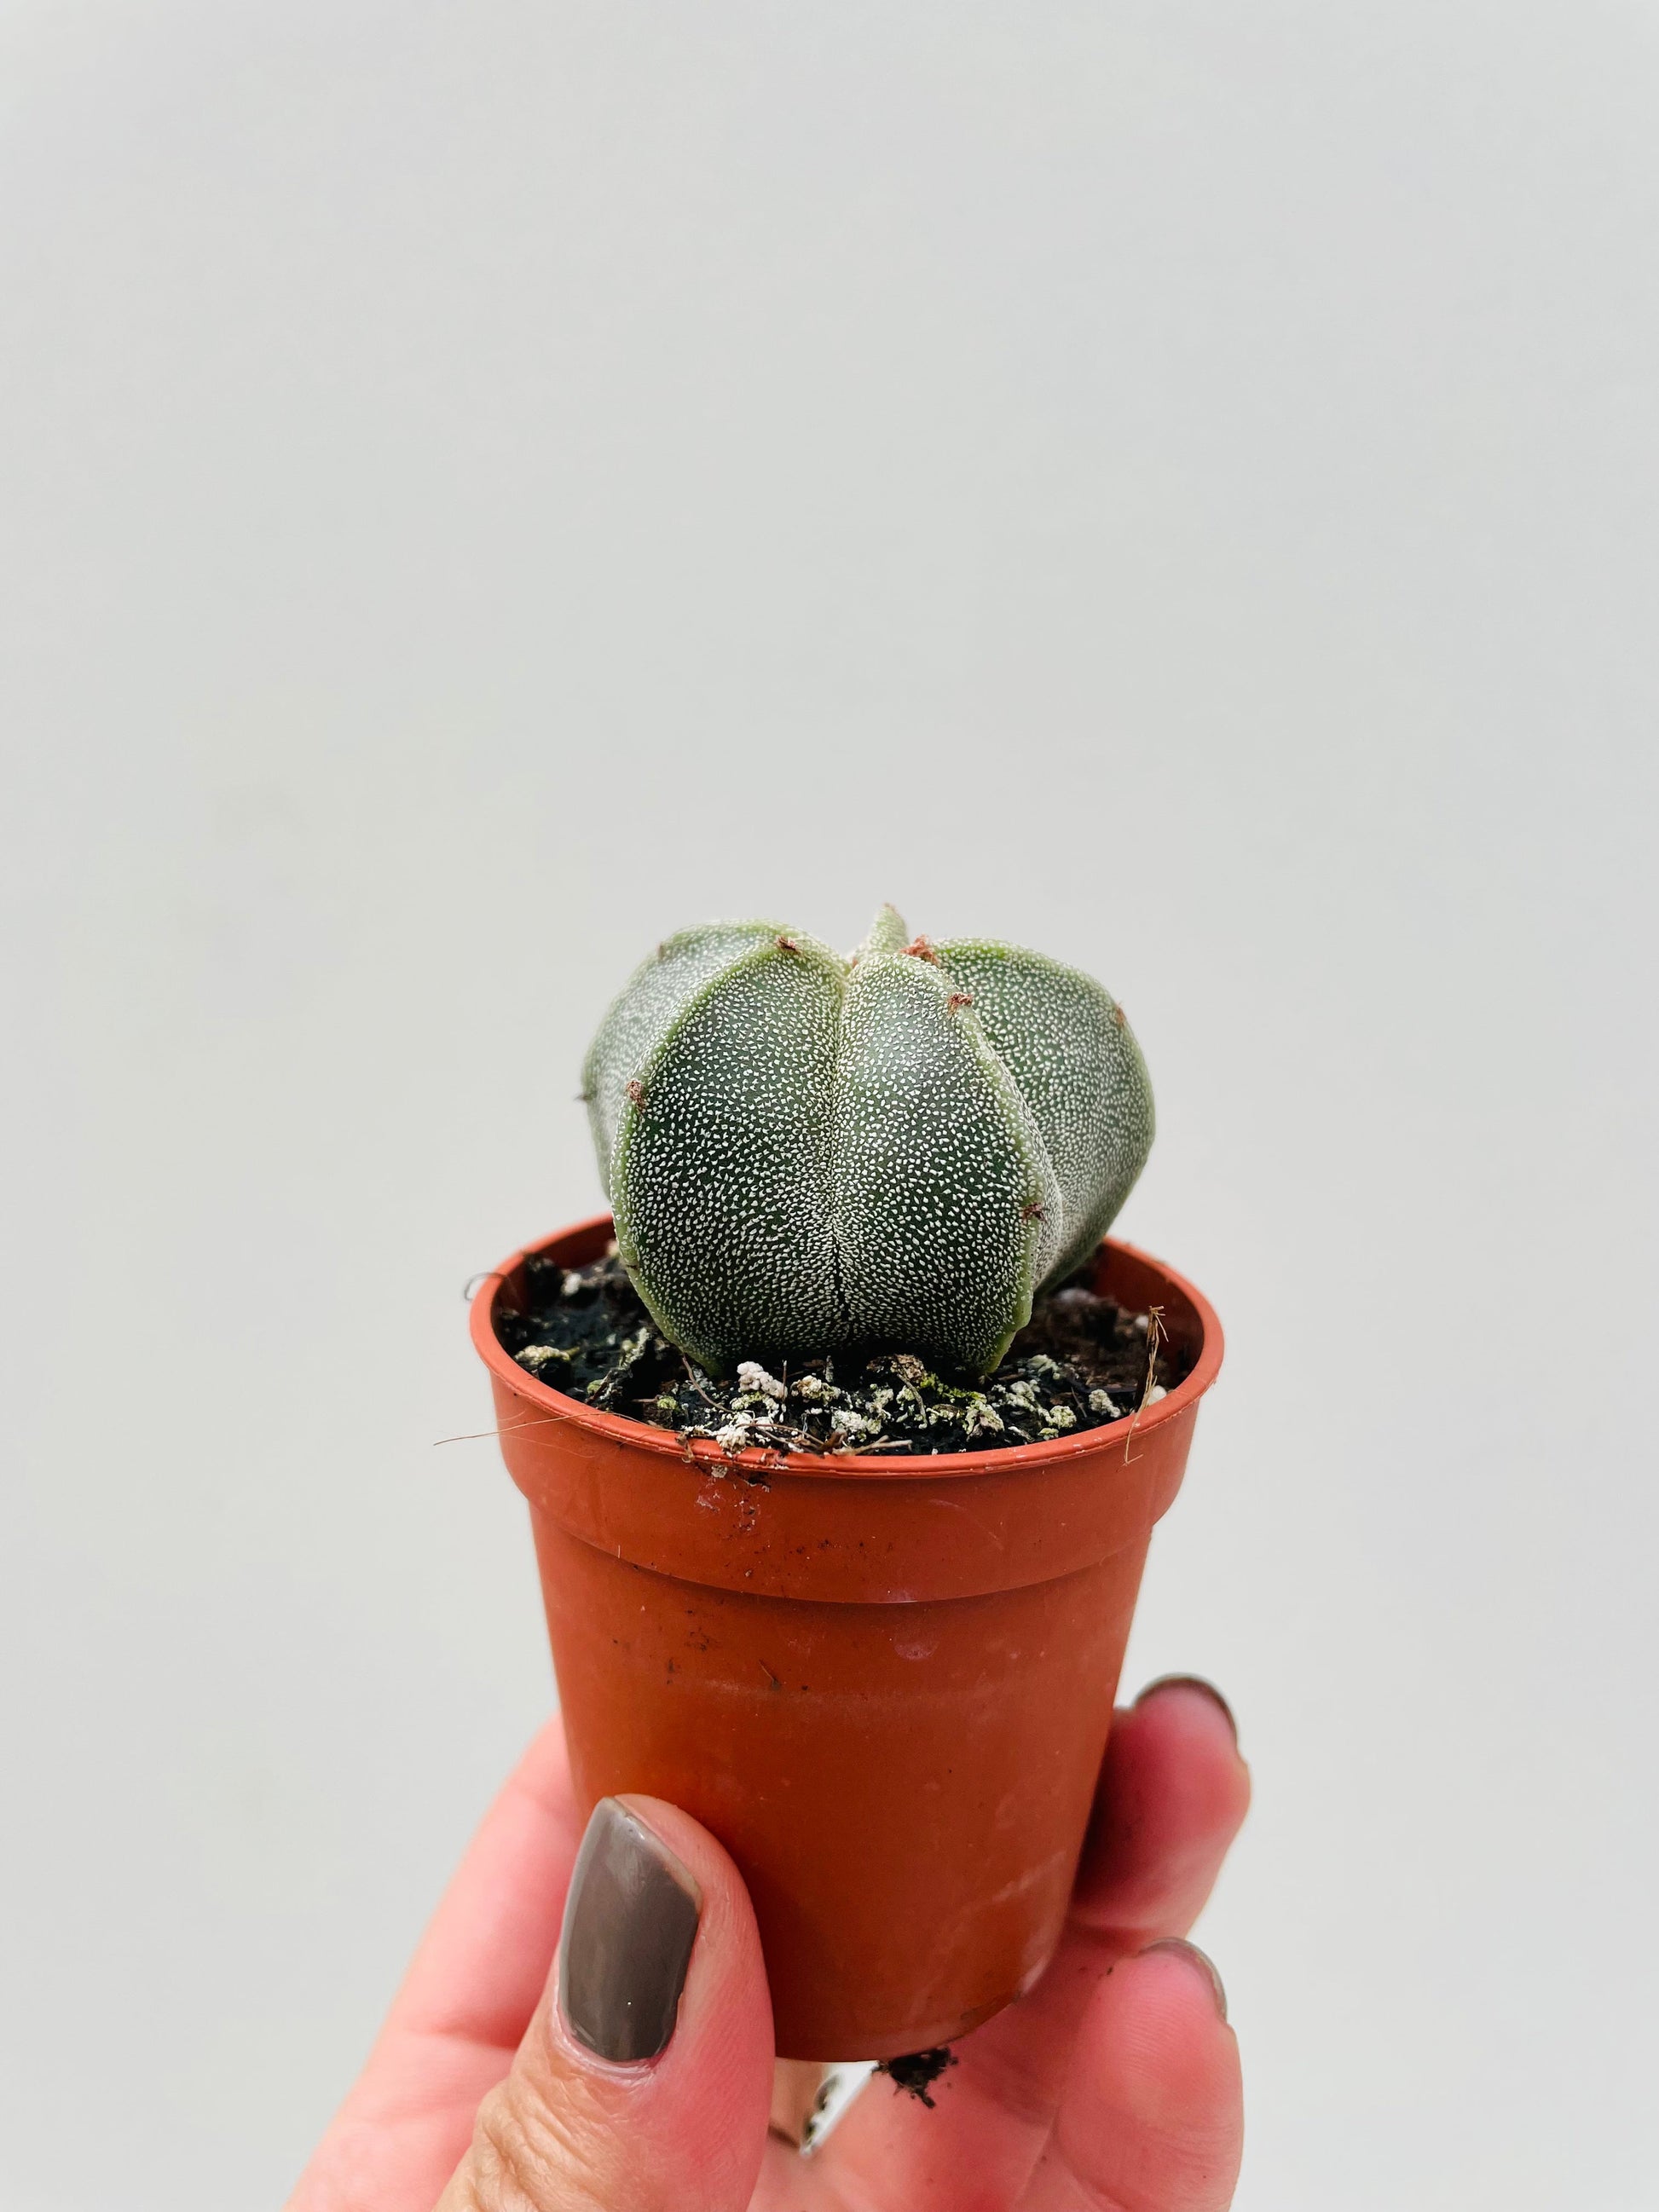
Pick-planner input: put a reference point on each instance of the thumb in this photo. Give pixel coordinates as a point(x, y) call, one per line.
point(643, 2081)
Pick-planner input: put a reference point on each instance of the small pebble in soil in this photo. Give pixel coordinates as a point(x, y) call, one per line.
point(1081, 1363)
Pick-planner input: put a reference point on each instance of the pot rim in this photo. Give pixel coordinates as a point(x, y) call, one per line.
point(848, 1466)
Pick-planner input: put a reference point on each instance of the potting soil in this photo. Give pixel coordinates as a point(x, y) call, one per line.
point(1081, 1363)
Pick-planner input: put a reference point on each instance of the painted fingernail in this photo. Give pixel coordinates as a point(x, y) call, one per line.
point(629, 1923)
point(1190, 1682)
point(1199, 1961)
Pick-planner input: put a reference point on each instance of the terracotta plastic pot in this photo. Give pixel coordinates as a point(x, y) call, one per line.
point(884, 1684)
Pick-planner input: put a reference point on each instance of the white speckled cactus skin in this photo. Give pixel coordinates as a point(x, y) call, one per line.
point(901, 1147)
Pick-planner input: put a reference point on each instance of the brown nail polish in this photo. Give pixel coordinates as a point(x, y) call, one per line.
point(1190, 1682)
point(1198, 1960)
point(629, 1923)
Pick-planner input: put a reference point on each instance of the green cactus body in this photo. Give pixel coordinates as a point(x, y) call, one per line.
point(803, 1151)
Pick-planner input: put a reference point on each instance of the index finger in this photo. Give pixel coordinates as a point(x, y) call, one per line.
point(478, 1972)
point(464, 2003)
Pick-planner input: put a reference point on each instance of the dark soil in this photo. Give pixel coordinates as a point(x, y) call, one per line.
point(1082, 1362)
point(918, 2071)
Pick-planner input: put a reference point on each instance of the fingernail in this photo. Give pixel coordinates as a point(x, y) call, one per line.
point(1190, 1682)
point(629, 1923)
point(1199, 1961)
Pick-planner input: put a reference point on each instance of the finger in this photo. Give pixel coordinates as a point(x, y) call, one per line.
point(1151, 2119)
point(468, 1994)
point(644, 2076)
point(482, 1965)
point(1172, 1795)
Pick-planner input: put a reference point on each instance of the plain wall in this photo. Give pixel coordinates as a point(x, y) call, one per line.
point(481, 487)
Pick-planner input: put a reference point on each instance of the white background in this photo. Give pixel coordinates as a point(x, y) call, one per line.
point(481, 487)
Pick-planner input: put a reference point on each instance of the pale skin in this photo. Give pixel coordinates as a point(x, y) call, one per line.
point(1113, 2087)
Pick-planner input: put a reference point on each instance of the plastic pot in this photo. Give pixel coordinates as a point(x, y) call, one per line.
point(884, 1684)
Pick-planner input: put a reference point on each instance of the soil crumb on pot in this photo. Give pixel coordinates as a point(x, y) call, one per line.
point(918, 2070)
point(1081, 1363)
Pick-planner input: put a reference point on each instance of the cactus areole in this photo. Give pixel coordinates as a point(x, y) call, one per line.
point(902, 1147)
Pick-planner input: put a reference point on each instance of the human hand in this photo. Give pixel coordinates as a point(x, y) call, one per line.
point(1114, 2083)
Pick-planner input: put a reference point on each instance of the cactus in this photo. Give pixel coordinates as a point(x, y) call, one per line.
point(901, 1147)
